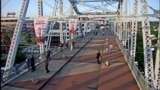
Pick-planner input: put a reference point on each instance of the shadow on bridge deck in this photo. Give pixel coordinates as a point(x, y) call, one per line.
point(80, 71)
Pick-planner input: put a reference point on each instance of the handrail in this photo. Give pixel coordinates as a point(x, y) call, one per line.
point(19, 69)
point(142, 83)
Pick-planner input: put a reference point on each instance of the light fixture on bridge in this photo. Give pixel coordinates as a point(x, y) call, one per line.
point(136, 63)
point(153, 37)
point(152, 48)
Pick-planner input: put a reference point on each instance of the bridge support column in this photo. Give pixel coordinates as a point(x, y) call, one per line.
point(148, 58)
point(40, 14)
point(15, 39)
point(134, 31)
point(157, 63)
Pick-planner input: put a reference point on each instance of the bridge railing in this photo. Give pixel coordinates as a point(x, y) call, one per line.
point(21, 68)
point(135, 71)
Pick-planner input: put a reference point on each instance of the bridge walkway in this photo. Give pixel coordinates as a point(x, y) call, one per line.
point(79, 70)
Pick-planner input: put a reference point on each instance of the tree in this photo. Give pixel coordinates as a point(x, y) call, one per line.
point(20, 57)
point(139, 51)
point(28, 38)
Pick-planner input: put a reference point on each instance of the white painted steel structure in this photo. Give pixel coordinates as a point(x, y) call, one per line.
point(16, 37)
point(120, 18)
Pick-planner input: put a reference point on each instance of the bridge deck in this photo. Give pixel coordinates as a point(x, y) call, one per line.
point(82, 72)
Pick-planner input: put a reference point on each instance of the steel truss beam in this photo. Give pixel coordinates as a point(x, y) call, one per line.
point(124, 33)
point(60, 3)
point(40, 14)
point(134, 31)
point(15, 38)
point(148, 58)
point(124, 23)
point(75, 2)
point(96, 0)
point(157, 64)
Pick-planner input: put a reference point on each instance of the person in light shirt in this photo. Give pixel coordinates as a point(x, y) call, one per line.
point(110, 47)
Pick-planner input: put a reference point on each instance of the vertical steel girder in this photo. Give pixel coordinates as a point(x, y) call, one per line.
point(16, 37)
point(148, 58)
point(60, 7)
point(40, 8)
point(61, 31)
point(119, 30)
point(125, 6)
point(128, 36)
point(124, 33)
point(134, 31)
point(157, 64)
point(133, 39)
point(40, 14)
point(124, 23)
point(48, 42)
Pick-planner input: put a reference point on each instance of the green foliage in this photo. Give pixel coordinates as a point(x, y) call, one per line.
point(28, 38)
point(139, 51)
point(154, 42)
point(156, 35)
point(20, 57)
point(97, 26)
point(139, 48)
point(6, 39)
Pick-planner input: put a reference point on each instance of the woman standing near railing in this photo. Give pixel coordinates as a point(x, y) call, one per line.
point(28, 62)
point(33, 63)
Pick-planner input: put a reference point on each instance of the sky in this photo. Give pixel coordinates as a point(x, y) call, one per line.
point(15, 5)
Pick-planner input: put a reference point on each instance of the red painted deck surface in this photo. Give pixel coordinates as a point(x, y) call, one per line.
point(117, 76)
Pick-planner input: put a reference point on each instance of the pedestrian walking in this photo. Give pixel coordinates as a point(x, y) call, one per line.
point(46, 65)
point(67, 45)
point(33, 68)
point(103, 33)
point(48, 54)
point(98, 57)
point(71, 43)
point(60, 46)
point(110, 47)
point(27, 61)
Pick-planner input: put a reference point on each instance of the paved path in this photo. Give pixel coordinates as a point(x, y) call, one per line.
point(24, 81)
point(80, 69)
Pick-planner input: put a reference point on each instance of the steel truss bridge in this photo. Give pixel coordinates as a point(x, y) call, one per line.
point(124, 28)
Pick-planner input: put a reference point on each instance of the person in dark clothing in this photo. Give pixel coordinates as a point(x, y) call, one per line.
point(46, 65)
point(60, 46)
point(73, 44)
point(27, 61)
point(48, 54)
point(33, 63)
point(98, 56)
point(67, 45)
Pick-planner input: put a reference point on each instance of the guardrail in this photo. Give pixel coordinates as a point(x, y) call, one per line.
point(21, 68)
point(142, 83)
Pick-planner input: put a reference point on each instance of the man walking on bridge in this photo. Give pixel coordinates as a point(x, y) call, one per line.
point(98, 56)
point(48, 54)
point(110, 47)
point(46, 64)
